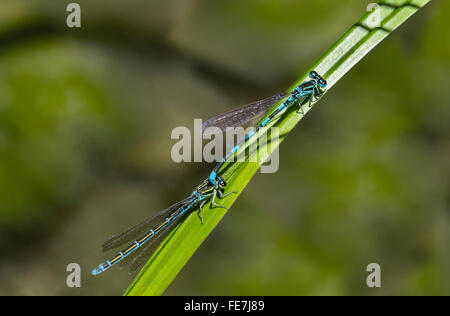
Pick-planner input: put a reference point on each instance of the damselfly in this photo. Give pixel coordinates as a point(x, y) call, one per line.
point(143, 237)
point(306, 91)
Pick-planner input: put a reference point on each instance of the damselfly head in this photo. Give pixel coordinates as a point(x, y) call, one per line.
point(322, 82)
point(314, 75)
point(221, 181)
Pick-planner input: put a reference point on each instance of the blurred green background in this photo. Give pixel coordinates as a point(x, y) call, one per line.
point(85, 122)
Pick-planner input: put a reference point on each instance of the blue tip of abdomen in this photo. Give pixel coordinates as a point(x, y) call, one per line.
point(97, 271)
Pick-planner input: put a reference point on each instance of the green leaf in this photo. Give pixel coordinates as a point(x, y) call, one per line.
point(181, 244)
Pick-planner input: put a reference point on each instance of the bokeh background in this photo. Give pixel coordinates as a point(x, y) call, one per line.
point(85, 122)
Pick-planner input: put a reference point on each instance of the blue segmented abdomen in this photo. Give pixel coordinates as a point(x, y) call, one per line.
point(145, 238)
point(300, 91)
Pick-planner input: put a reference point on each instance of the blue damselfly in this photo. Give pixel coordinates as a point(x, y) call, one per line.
point(142, 237)
point(306, 91)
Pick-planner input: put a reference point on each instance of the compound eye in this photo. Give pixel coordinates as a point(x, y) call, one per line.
point(313, 74)
point(221, 181)
point(322, 83)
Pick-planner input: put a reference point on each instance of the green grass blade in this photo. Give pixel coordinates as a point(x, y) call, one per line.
point(181, 244)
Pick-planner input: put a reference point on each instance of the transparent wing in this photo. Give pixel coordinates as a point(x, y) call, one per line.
point(138, 230)
point(248, 114)
point(141, 255)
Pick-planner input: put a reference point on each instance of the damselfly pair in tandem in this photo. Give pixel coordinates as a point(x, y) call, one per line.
point(143, 238)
